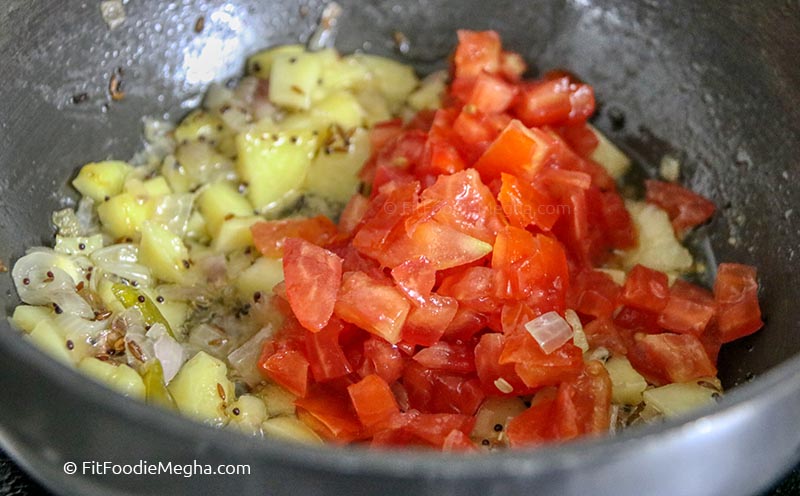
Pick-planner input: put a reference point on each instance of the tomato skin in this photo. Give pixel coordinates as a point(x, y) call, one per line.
point(372, 306)
point(289, 368)
point(326, 358)
point(686, 209)
point(372, 400)
point(312, 275)
point(270, 236)
point(645, 289)
point(666, 357)
point(736, 297)
point(518, 150)
point(689, 309)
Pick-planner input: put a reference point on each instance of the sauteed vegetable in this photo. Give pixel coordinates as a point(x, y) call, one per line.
point(336, 250)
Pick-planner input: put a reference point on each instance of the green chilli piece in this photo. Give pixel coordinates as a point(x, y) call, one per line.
point(132, 297)
point(155, 389)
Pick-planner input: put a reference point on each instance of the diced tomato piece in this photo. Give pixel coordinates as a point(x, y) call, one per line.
point(617, 221)
point(637, 320)
point(535, 367)
point(352, 214)
point(645, 289)
point(443, 245)
point(269, 236)
point(449, 357)
point(404, 151)
point(580, 138)
point(418, 383)
point(324, 354)
point(477, 52)
point(458, 441)
point(491, 372)
point(383, 359)
point(473, 286)
point(372, 306)
point(566, 177)
point(686, 209)
point(312, 275)
point(534, 426)
point(440, 157)
point(491, 94)
point(386, 211)
point(289, 368)
point(589, 397)
point(384, 132)
point(689, 309)
point(736, 297)
point(554, 102)
point(466, 323)
point(671, 358)
point(428, 319)
point(329, 415)
point(373, 400)
point(593, 293)
point(601, 332)
point(512, 66)
point(465, 204)
point(524, 204)
point(415, 277)
point(524, 263)
point(455, 393)
point(435, 427)
point(518, 150)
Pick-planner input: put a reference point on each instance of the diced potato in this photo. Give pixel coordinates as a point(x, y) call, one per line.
point(99, 180)
point(120, 378)
point(196, 227)
point(262, 276)
point(234, 234)
point(148, 188)
point(278, 401)
point(658, 247)
point(493, 412)
point(429, 94)
point(201, 163)
point(343, 73)
point(27, 317)
point(107, 296)
point(393, 79)
point(679, 398)
point(293, 78)
point(248, 413)
point(199, 125)
point(220, 201)
point(202, 389)
point(335, 175)
point(260, 64)
point(274, 164)
point(290, 429)
point(376, 108)
point(175, 312)
point(80, 245)
point(609, 156)
point(627, 385)
point(48, 338)
point(176, 175)
point(339, 107)
point(163, 252)
point(123, 215)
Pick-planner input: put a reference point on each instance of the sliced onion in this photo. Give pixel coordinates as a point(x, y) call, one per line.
point(120, 252)
point(243, 359)
point(210, 339)
point(86, 216)
point(579, 337)
point(217, 96)
point(550, 330)
point(168, 351)
point(173, 212)
point(325, 34)
point(43, 277)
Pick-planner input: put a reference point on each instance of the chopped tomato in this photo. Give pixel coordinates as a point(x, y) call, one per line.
point(645, 289)
point(525, 204)
point(686, 209)
point(689, 309)
point(534, 366)
point(491, 94)
point(382, 359)
point(593, 293)
point(352, 214)
point(534, 426)
point(512, 66)
point(637, 320)
point(580, 138)
point(329, 415)
point(589, 397)
point(449, 357)
point(523, 262)
point(373, 401)
point(477, 52)
point(372, 306)
point(670, 357)
point(428, 319)
point(325, 356)
point(415, 278)
point(269, 236)
point(289, 368)
point(601, 332)
point(313, 276)
point(736, 297)
point(518, 150)
point(473, 287)
point(494, 375)
point(458, 441)
point(554, 102)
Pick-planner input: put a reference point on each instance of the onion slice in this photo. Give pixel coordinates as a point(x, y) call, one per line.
point(550, 330)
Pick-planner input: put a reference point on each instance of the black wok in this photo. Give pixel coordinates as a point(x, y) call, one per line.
point(715, 83)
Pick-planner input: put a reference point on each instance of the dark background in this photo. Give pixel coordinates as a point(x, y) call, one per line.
point(15, 482)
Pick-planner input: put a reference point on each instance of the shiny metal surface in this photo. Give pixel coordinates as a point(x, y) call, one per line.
point(714, 83)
